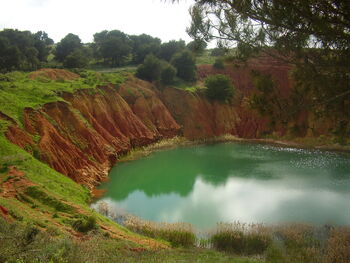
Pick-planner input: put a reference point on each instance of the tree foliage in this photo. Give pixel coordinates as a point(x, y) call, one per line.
point(169, 49)
point(150, 69)
point(143, 45)
point(314, 36)
point(219, 87)
point(66, 46)
point(168, 74)
point(113, 47)
point(185, 64)
point(22, 50)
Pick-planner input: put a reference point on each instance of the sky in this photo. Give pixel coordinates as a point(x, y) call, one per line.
point(157, 18)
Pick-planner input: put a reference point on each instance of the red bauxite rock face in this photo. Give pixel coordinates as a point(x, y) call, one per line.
point(81, 136)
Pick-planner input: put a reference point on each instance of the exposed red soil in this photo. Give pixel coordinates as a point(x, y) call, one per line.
point(83, 136)
point(53, 74)
point(16, 183)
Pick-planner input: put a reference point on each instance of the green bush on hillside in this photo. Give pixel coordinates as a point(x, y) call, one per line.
point(150, 69)
point(168, 74)
point(219, 87)
point(185, 64)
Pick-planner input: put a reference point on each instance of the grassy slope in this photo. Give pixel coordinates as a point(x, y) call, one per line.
point(17, 92)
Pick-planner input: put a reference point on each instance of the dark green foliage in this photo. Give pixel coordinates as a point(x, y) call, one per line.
point(197, 46)
point(218, 52)
point(85, 224)
point(185, 64)
point(76, 59)
point(22, 50)
point(169, 49)
point(36, 193)
point(66, 46)
point(219, 87)
point(113, 47)
point(219, 63)
point(150, 69)
point(142, 46)
point(268, 100)
point(168, 74)
point(311, 35)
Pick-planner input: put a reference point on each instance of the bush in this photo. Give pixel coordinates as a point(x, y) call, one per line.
point(36, 193)
point(219, 63)
point(150, 69)
point(185, 64)
point(219, 87)
point(85, 224)
point(75, 59)
point(168, 74)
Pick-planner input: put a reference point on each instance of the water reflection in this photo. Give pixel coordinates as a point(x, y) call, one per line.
point(228, 182)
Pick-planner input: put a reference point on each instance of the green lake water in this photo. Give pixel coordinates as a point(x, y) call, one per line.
point(231, 182)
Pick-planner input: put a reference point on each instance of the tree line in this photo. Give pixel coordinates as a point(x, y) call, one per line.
point(23, 50)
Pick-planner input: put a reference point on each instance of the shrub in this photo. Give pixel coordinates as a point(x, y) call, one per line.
point(85, 224)
point(185, 64)
point(76, 59)
point(168, 74)
point(150, 69)
point(219, 87)
point(44, 198)
point(219, 63)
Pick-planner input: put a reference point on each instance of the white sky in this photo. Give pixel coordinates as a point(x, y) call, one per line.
point(85, 17)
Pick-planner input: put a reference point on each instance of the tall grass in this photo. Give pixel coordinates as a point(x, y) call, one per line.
point(241, 238)
point(178, 234)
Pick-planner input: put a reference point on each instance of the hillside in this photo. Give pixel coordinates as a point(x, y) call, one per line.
point(54, 122)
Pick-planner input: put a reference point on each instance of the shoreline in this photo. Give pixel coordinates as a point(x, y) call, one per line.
point(179, 141)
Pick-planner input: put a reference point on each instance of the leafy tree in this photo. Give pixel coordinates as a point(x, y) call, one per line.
point(169, 49)
point(114, 47)
point(9, 55)
point(150, 69)
point(22, 50)
point(76, 59)
point(43, 44)
point(185, 64)
point(197, 46)
point(219, 87)
point(66, 46)
point(167, 74)
point(143, 45)
point(312, 35)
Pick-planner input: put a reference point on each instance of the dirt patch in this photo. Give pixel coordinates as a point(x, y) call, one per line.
point(14, 183)
point(53, 74)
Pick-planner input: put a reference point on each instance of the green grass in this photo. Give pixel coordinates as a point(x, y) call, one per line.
point(25, 242)
point(17, 91)
point(205, 58)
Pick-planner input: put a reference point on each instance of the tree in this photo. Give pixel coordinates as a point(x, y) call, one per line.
point(22, 50)
point(66, 46)
point(142, 46)
point(167, 74)
point(314, 36)
point(169, 49)
point(197, 46)
point(185, 64)
point(150, 69)
point(76, 59)
point(114, 47)
point(219, 87)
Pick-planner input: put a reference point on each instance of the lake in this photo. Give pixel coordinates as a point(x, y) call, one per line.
point(228, 182)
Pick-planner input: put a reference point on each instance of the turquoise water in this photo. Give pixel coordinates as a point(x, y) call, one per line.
point(231, 182)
